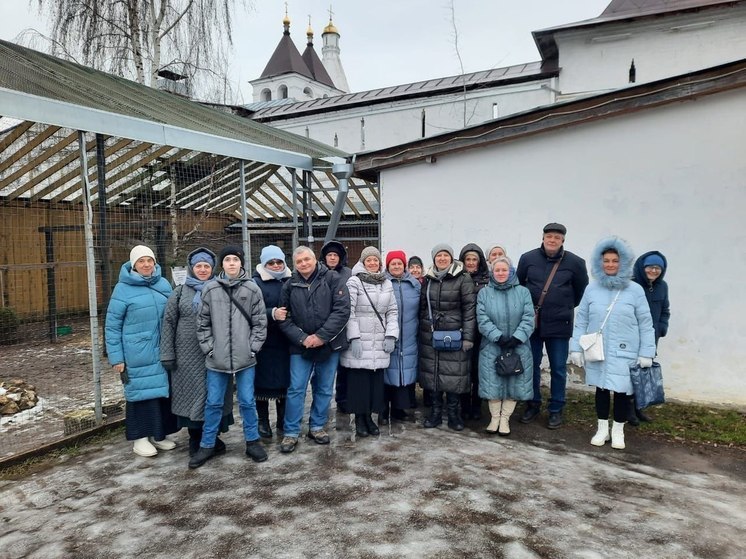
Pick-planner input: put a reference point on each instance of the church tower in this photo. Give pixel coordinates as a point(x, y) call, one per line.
point(330, 56)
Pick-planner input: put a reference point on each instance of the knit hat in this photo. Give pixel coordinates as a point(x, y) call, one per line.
point(555, 228)
point(138, 252)
point(442, 247)
point(201, 256)
point(271, 252)
point(654, 260)
point(394, 255)
point(415, 260)
point(493, 247)
point(370, 251)
point(232, 250)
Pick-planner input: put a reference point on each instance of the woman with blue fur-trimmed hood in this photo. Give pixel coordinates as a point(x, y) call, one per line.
point(628, 335)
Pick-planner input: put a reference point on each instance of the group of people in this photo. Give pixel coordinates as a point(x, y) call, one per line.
point(467, 328)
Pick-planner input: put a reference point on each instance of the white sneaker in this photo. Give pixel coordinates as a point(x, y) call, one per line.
point(602, 434)
point(165, 444)
point(142, 447)
point(617, 436)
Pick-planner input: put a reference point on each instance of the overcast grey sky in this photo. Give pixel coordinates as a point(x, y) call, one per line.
point(382, 42)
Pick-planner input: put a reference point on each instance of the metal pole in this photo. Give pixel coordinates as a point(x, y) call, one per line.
point(295, 207)
point(244, 219)
point(91, 272)
point(103, 240)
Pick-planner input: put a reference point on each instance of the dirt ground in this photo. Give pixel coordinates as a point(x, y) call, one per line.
point(411, 492)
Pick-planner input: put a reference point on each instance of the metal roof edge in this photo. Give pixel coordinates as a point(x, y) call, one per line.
point(59, 113)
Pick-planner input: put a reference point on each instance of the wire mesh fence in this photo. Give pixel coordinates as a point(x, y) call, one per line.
point(125, 193)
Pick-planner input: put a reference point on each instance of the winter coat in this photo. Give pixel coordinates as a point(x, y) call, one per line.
point(318, 305)
point(565, 291)
point(229, 341)
point(453, 305)
point(481, 278)
point(340, 268)
point(273, 361)
point(505, 309)
point(402, 370)
point(656, 294)
point(364, 324)
point(133, 332)
point(179, 343)
point(628, 333)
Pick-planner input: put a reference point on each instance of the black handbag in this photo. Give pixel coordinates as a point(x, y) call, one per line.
point(509, 364)
point(647, 384)
point(443, 340)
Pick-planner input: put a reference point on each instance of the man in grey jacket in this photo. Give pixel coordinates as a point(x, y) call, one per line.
point(232, 327)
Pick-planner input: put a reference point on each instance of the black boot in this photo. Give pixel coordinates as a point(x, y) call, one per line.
point(361, 427)
point(262, 413)
point(427, 398)
point(372, 427)
point(280, 405)
point(465, 405)
point(436, 412)
point(195, 436)
point(454, 418)
point(642, 416)
point(631, 415)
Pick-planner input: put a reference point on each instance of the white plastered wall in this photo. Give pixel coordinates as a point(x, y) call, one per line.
point(671, 179)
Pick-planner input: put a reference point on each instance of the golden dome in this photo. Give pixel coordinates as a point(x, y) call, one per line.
point(286, 20)
point(330, 28)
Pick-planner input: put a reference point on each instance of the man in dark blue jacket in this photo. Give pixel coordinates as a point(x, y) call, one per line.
point(318, 305)
point(555, 313)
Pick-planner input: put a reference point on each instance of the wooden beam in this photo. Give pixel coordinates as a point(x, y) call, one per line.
point(38, 160)
point(348, 201)
point(28, 147)
point(14, 134)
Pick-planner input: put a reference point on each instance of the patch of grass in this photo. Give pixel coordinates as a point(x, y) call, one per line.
point(677, 421)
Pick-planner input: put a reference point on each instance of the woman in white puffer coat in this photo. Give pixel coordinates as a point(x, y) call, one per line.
point(372, 330)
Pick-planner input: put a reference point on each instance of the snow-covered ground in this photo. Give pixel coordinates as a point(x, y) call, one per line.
point(411, 492)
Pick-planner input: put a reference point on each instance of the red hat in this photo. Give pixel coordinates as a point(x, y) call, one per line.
point(393, 255)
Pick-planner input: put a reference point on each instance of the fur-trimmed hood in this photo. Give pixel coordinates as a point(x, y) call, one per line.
point(626, 260)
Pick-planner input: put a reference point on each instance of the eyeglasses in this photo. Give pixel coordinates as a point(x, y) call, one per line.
point(275, 262)
point(653, 268)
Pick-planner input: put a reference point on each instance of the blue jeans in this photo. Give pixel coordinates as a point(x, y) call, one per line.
point(557, 351)
point(217, 384)
point(322, 389)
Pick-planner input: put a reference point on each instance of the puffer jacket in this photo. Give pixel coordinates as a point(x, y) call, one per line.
point(273, 361)
point(318, 305)
point(565, 291)
point(628, 333)
point(480, 277)
point(133, 332)
point(402, 370)
point(505, 309)
point(179, 343)
point(228, 340)
point(364, 324)
point(656, 294)
point(453, 305)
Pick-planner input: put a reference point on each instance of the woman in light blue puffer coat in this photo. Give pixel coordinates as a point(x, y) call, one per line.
point(628, 335)
point(505, 317)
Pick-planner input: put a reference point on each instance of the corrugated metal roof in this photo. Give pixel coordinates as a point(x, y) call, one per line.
point(519, 72)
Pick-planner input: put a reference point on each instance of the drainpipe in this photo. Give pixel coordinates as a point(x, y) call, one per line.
point(342, 171)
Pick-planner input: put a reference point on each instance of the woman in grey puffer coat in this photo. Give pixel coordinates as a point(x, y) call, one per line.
point(372, 330)
point(182, 356)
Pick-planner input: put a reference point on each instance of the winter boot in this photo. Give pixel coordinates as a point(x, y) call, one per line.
point(507, 411)
point(602, 433)
point(200, 457)
point(631, 415)
point(371, 425)
point(436, 411)
point(262, 413)
point(361, 427)
point(280, 408)
point(255, 451)
point(143, 447)
point(617, 436)
point(195, 436)
point(495, 409)
point(454, 418)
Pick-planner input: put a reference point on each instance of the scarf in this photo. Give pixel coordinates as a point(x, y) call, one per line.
point(276, 275)
point(375, 279)
point(197, 285)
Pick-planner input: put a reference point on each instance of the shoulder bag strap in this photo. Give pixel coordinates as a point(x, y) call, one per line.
point(375, 310)
point(608, 311)
point(235, 302)
point(429, 308)
point(545, 289)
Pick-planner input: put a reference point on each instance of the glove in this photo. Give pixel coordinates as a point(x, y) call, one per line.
point(169, 365)
point(512, 343)
point(389, 343)
point(645, 362)
point(467, 345)
point(356, 347)
point(503, 340)
point(577, 359)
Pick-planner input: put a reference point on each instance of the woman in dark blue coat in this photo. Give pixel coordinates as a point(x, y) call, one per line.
point(273, 361)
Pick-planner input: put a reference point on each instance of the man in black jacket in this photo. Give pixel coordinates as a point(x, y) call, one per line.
point(555, 314)
point(318, 305)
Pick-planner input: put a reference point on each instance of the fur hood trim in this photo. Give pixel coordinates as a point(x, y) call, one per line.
point(626, 260)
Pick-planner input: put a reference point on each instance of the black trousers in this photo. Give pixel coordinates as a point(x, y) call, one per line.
point(365, 391)
point(603, 405)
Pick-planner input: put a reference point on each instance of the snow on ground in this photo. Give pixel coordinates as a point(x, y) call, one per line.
point(409, 493)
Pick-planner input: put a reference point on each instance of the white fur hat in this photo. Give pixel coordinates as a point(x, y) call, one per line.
point(138, 252)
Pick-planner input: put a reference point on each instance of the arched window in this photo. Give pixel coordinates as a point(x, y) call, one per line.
point(265, 95)
point(282, 92)
point(307, 92)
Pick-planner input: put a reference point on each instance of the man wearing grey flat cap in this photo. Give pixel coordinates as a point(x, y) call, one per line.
point(556, 279)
